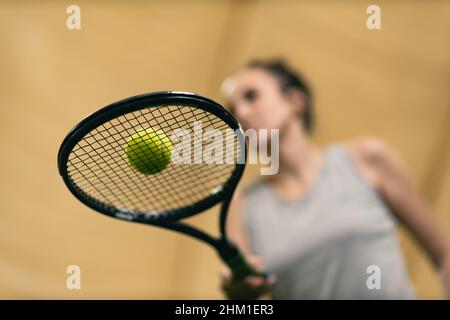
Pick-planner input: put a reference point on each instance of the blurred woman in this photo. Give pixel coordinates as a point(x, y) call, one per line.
point(324, 226)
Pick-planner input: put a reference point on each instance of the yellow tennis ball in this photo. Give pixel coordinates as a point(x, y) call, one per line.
point(148, 151)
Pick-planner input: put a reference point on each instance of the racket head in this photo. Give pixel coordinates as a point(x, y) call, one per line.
point(148, 102)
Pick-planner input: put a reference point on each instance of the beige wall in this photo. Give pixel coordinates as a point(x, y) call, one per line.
point(392, 83)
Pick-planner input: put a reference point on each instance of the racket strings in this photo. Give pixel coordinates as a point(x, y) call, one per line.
point(99, 166)
point(161, 188)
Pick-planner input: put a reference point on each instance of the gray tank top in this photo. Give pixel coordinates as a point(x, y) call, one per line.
point(333, 243)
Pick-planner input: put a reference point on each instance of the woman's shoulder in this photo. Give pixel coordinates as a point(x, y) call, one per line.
point(365, 147)
point(368, 148)
point(255, 188)
point(366, 153)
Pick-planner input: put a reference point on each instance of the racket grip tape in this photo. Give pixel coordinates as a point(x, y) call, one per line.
point(234, 259)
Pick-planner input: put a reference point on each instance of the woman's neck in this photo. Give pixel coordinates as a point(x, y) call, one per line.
point(300, 158)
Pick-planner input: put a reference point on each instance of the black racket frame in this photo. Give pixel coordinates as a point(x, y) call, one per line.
point(225, 248)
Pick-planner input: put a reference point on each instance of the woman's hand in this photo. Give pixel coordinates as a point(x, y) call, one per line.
point(250, 287)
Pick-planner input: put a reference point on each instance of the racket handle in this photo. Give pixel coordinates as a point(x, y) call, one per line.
point(234, 259)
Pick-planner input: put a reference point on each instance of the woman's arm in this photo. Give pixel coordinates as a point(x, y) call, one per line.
point(251, 287)
point(382, 166)
point(235, 222)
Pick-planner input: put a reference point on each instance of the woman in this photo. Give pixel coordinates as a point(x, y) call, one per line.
point(324, 225)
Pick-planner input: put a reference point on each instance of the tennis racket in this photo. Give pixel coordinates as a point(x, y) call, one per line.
point(94, 166)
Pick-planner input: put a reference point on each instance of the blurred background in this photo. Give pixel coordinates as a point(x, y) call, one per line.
point(393, 83)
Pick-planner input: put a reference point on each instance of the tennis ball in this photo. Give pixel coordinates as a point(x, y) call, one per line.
point(148, 151)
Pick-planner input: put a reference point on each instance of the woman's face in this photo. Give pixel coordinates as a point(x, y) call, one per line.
point(255, 98)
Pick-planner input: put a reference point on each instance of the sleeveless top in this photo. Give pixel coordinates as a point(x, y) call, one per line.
point(338, 241)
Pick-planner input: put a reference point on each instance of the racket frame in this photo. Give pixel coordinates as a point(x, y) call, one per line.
point(122, 107)
point(228, 251)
